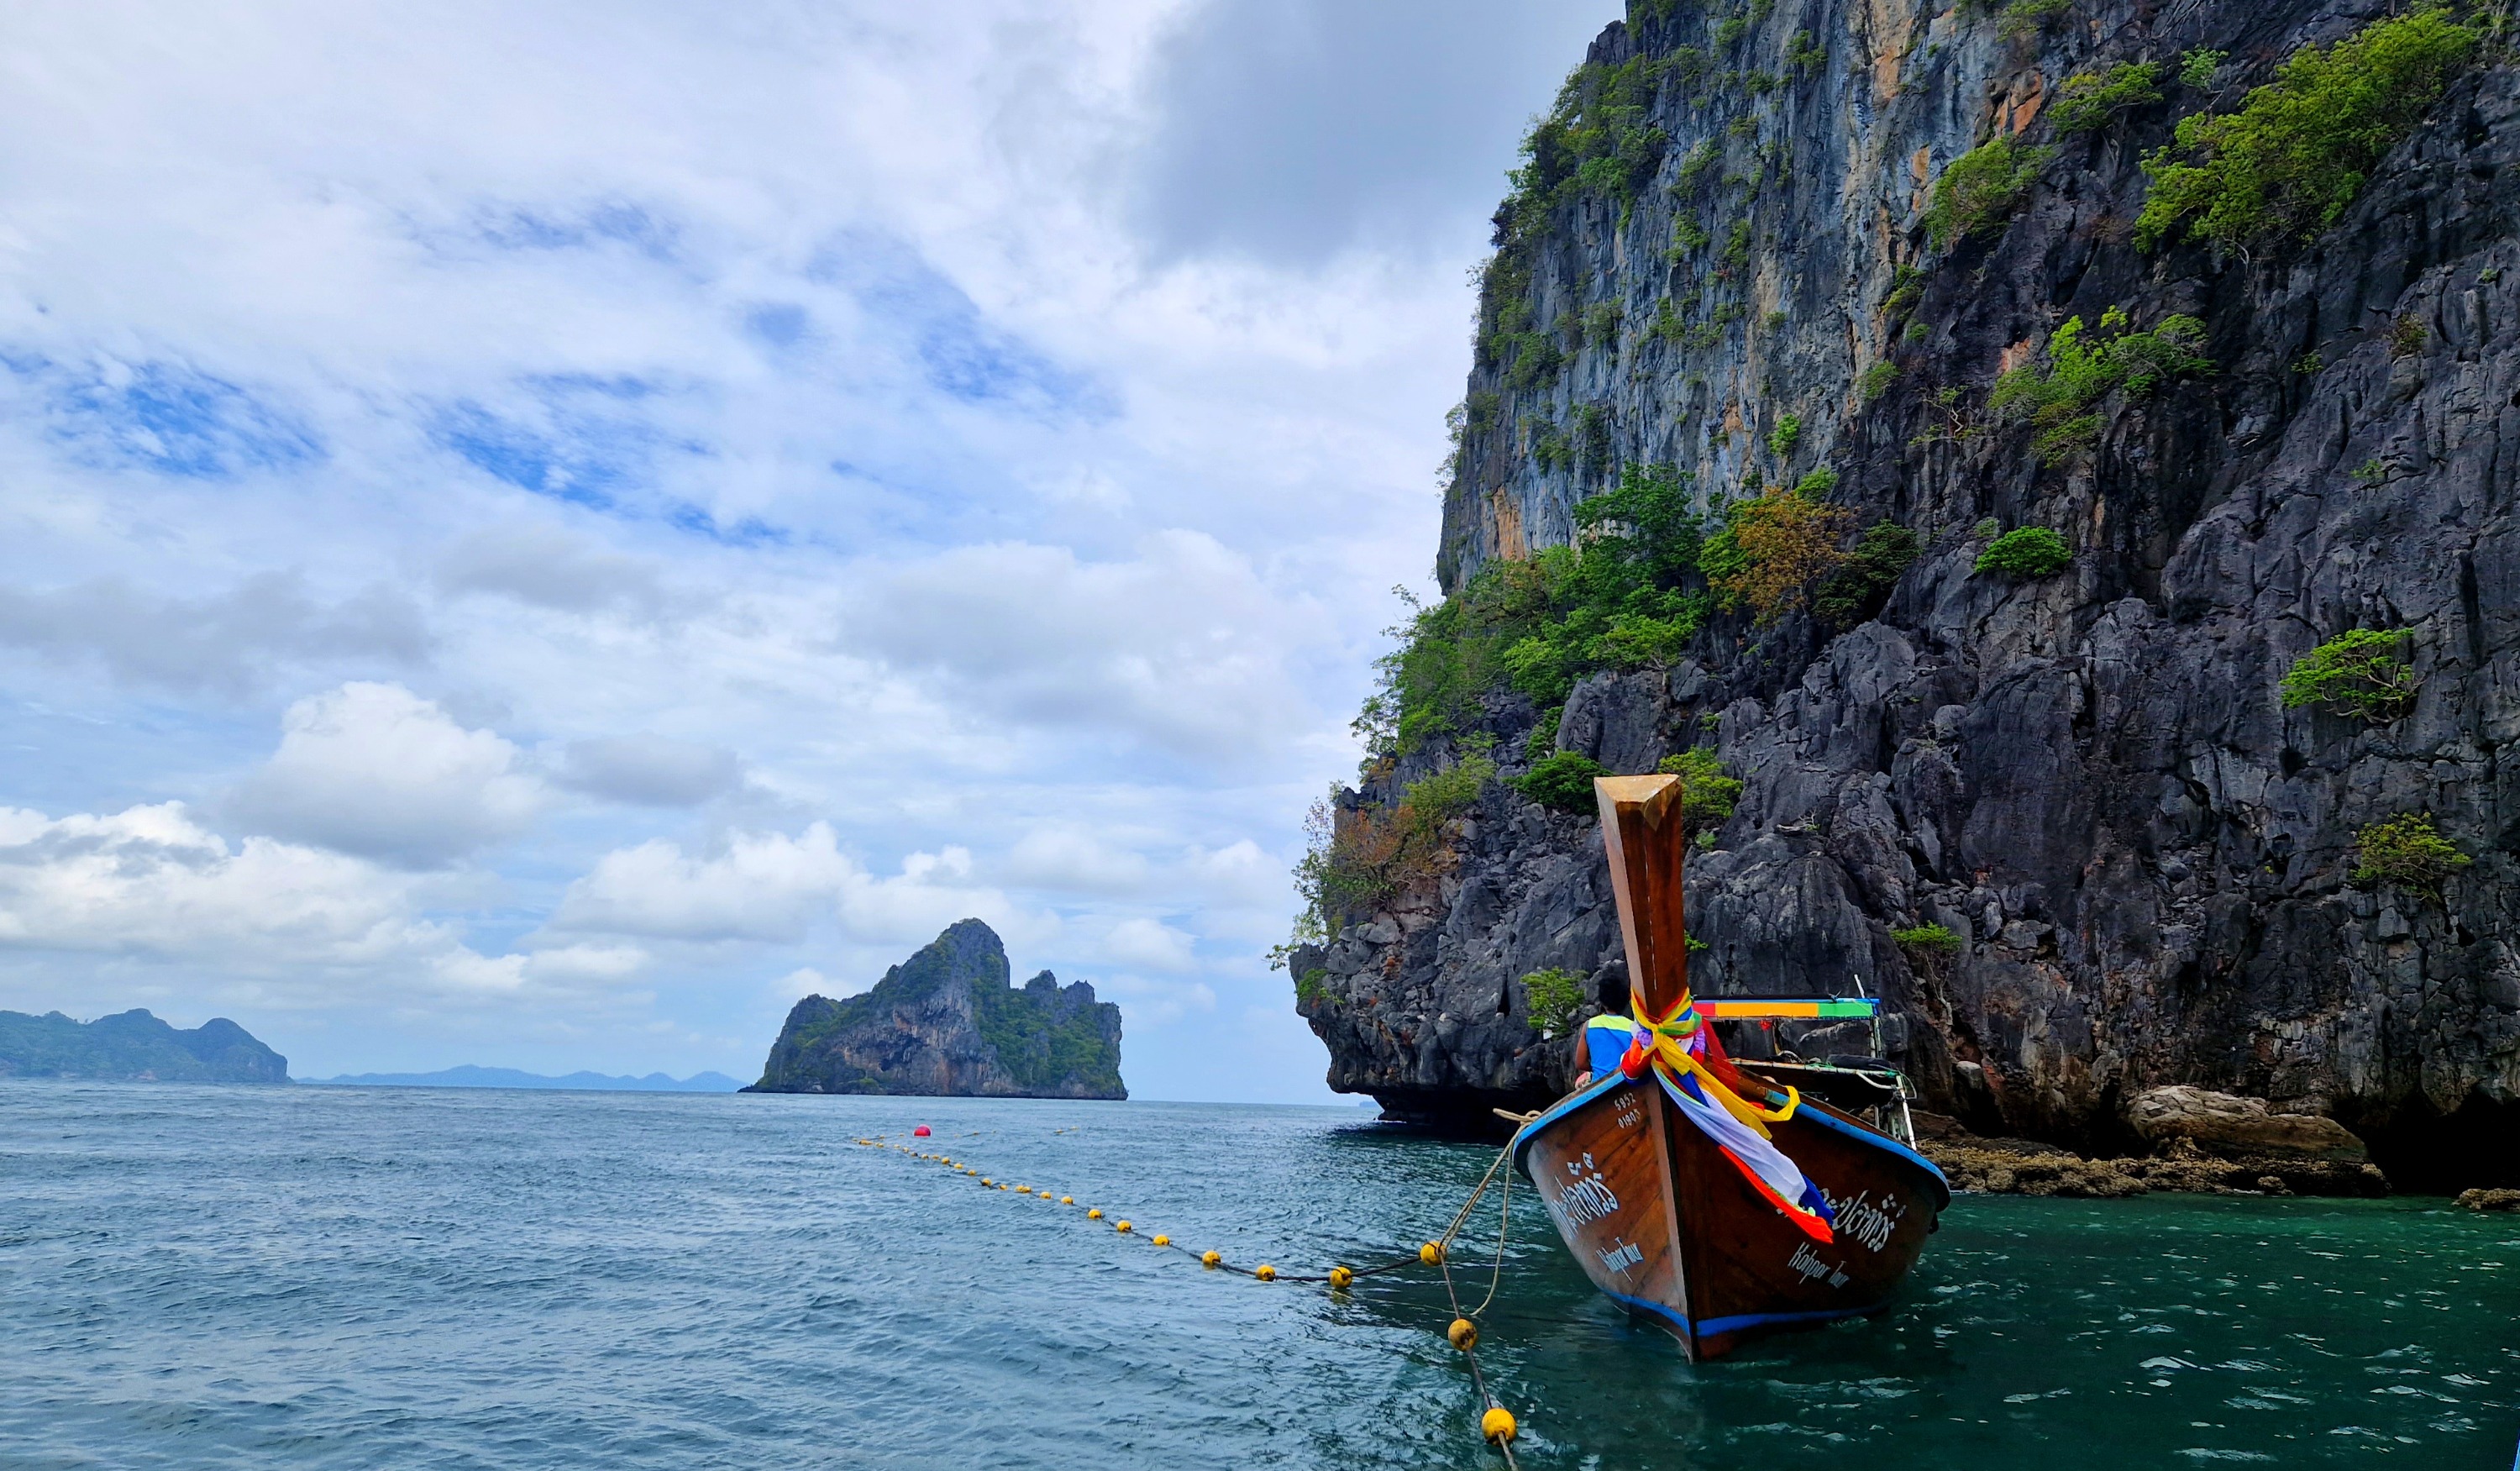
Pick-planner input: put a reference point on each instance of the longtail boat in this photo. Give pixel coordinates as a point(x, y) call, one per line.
point(1714, 1198)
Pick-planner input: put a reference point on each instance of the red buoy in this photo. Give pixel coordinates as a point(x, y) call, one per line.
point(920, 1132)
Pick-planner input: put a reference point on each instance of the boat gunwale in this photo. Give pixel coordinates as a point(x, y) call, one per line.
point(1820, 1113)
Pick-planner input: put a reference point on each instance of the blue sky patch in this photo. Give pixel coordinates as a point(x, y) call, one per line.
point(780, 324)
point(749, 531)
point(961, 352)
point(614, 222)
point(580, 438)
point(171, 418)
point(529, 458)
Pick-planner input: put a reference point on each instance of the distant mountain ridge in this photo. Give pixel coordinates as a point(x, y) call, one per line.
point(134, 1047)
point(948, 1022)
point(469, 1076)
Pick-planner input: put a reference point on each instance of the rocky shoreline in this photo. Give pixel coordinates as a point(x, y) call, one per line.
point(2023, 1167)
point(2197, 1141)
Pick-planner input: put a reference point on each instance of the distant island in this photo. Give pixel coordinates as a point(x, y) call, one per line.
point(134, 1047)
point(469, 1075)
point(948, 1022)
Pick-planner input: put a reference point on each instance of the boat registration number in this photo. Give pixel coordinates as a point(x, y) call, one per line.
point(1631, 1112)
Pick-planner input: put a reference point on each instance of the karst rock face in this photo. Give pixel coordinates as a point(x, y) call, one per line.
point(2089, 777)
point(948, 1023)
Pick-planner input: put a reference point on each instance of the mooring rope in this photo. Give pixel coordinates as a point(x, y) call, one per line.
point(1497, 1425)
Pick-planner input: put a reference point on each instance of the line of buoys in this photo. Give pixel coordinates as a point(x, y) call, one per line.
point(1497, 1424)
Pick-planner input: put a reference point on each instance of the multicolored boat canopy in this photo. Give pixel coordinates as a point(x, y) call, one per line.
point(1787, 1008)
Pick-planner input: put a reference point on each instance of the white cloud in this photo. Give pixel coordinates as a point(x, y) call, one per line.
point(1071, 860)
point(1182, 645)
point(281, 923)
point(1240, 874)
point(154, 880)
point(653, 771)
point(1156, 1003)
point(805, 981)
point(770, 887)
point(550, 569)
point(373, 770)
point(1148, 945)
point(229, 643)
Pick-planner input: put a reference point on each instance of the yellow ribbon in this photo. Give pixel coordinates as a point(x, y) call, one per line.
point(1670, 1053)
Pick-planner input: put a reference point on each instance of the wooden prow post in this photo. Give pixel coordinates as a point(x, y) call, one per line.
point(1643, 833)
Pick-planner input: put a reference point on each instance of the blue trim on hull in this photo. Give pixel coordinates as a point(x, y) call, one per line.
point(1665, 1311)
point(1714, 1326)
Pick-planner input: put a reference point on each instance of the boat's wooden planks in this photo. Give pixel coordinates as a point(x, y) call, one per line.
point(1600, 1169)
point(1749, 1269)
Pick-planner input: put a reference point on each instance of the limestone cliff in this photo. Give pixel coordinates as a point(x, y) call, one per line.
point(948, 1022)
point(2145, 861)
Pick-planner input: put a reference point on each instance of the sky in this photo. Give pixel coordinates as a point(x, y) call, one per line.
point(536, 534)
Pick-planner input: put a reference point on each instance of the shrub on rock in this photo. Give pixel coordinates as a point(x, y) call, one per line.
point(1563, 781)
point(2026, 554)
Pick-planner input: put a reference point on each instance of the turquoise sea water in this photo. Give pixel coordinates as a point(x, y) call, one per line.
point(350, 1277)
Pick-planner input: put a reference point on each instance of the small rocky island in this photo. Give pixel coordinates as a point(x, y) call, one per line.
point(948, 1022)
point(134, 1047)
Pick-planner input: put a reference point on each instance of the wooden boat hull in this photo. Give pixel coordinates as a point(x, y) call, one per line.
point(1662, 1221)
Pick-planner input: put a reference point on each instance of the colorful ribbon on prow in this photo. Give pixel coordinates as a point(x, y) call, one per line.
point(1681, 1051)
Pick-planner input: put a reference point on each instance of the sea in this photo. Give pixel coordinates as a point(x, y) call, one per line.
point(284, 1277)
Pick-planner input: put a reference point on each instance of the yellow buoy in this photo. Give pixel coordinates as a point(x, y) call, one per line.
point(1265, 1272)
point(986, 1181)
point(1067, 1200)
point(1163, 1240)
point(1464, 1333)
point(1096, 1214)
point(1211, 1259)
point(1121, 1227)
point(1431, 1252)
point(1498, 1423)
point(1341, 1276)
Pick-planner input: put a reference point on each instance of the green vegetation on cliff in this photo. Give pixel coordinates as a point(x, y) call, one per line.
point(1981, 189)
point(2091, 99)
point(1645, 575)
point(2026, 554)
point(2292, 158)
point(1563, 781)
point(1356, 858)
point(1707, 796)
point(2406, 853)
point(1554, 999)
point(2357, 673)
point(1628, 594)
point(1042, 1046)
point(2062, 398)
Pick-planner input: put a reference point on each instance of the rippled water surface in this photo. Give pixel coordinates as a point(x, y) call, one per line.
point(342, 1277)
